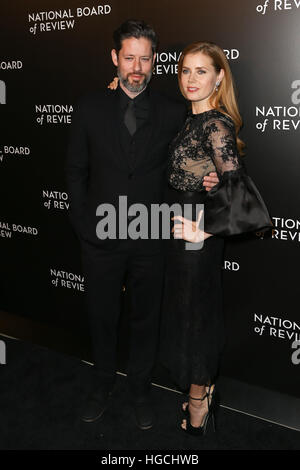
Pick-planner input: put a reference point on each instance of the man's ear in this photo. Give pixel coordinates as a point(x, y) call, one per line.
point(154, 57)
point(114, 57)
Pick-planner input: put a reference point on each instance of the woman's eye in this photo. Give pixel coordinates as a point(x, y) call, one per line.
point(185, 71)
point(201, 72)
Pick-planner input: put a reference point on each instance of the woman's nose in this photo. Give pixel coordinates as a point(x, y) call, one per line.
point(191, 78)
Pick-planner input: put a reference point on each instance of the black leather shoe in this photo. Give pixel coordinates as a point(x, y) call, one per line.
point(144, 414)
point(95, 406)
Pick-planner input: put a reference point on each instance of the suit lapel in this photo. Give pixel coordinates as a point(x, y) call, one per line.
point(113, 129)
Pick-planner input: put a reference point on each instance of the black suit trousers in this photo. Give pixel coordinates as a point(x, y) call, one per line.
point(105, 274)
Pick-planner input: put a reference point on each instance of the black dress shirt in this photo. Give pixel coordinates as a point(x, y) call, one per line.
point(142, 111)
point(141, 106)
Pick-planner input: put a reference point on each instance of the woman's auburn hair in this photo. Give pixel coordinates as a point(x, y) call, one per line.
point(224, 99)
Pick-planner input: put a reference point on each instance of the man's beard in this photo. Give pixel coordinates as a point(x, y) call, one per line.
point(132, 87)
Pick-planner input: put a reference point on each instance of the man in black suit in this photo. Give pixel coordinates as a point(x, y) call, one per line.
point(118, 147)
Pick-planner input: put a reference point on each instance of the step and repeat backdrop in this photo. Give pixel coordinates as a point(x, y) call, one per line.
point(51, 53)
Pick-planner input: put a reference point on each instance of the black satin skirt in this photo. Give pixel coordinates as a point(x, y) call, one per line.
point(192, 327)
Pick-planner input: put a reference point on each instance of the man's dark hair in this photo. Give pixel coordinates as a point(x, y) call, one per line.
point(134, 29)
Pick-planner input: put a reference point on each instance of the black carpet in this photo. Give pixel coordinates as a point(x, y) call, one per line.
point(41, 392)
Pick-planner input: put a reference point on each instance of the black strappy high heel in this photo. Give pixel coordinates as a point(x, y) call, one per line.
point(210, 415)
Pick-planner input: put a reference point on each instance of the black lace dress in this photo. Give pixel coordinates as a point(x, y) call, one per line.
point(192, 328)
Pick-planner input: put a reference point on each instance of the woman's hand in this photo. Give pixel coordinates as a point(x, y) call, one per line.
point(189, 230)
point(114, 84)
point(210, 181)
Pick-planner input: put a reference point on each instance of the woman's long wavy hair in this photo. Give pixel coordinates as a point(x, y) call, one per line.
point(223, 99)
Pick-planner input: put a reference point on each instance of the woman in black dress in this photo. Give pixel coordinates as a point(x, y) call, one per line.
point(192, 334)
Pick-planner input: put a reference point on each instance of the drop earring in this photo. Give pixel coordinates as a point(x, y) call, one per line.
point(217, 85)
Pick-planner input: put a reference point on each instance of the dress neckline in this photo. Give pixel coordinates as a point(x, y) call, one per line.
point(195, 115)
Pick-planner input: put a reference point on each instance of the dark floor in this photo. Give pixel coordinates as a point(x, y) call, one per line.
point(41, 392)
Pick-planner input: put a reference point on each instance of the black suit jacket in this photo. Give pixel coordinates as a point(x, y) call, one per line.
point(97, 169)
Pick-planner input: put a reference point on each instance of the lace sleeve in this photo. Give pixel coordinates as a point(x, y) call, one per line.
point(220, 144)
point(234, 205)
